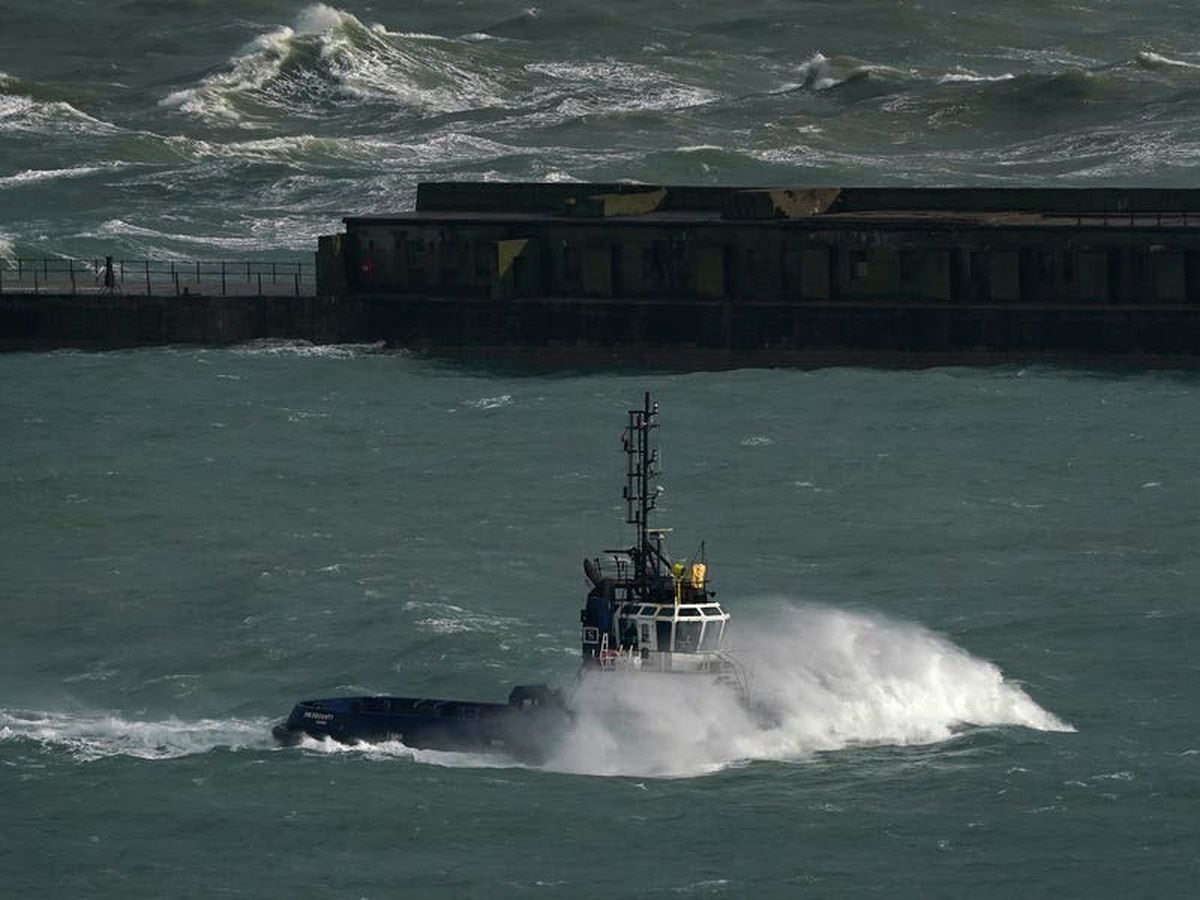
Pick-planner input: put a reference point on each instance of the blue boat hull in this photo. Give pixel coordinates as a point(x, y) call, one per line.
point(527, 728)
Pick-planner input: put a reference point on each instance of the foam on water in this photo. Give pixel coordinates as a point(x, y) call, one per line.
point(396, 750)
point(297, 348)
point(93, 736)
point(20, 113)
point(447, 618)
point(33, 176)
point(1156, 60)
point(610, 85)
point(489, 402)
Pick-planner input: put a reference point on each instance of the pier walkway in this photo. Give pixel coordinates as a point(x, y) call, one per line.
point(157, 277)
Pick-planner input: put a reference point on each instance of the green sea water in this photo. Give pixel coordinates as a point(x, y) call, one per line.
point(969, 595)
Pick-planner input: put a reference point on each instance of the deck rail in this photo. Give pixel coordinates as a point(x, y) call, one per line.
point(156, 277)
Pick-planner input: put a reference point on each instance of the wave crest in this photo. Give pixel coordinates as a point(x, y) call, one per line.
point(328, 57)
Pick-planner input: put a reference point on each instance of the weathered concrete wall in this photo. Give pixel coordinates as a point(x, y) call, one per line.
point(553, 198)
point(785, 261)
point(777, 275)
point(680, 333)
point(47, 321)
point(783, 334)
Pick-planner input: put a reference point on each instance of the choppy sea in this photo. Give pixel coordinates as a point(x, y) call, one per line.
point(219, 130)
point(968, 595)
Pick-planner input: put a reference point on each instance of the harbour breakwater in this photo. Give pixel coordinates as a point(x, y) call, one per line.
point(687, 276)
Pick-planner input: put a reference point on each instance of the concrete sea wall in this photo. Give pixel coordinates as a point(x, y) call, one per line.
point(684, 275)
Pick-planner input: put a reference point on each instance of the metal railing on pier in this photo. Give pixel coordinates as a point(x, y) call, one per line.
point(150, 277)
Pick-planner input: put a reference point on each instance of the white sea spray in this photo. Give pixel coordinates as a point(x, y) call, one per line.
point(821, 680)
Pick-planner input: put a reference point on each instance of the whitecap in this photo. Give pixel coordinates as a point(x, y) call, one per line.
point(815, 73)
point(489, 402)
point(351, 61)
point(92, 736)
point(19, 113)
point(33, 176)
point(612, 85)
point(1157, 60)
point(447, 618)
point(250, 69)
point(972, 78)
point(281, 347)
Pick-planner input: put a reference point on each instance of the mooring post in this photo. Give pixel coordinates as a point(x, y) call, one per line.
point(147, 278)
point(260, 284)
point(222, 278)
point(71, 269)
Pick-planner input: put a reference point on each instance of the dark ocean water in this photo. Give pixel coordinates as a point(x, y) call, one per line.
point(969, 594)
point(219, 130)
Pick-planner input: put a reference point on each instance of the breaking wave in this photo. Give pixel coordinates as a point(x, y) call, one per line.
point(22, 113)
point(92, 737)
point(330, 56)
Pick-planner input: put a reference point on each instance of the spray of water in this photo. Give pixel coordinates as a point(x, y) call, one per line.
point(821, 679)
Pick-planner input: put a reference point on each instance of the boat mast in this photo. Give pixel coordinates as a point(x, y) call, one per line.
point(640, 499)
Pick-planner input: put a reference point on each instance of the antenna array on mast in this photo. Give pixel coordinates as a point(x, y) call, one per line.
point(640, 499)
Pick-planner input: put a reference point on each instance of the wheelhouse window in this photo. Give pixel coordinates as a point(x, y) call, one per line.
point(712, 636)
point(687, 635)
point(662, 633)
point(628, 630)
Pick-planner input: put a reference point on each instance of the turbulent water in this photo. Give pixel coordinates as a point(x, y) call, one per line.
point(198, 129)
point(966, 600)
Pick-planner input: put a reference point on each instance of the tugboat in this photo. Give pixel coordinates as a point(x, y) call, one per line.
point(643, 613)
